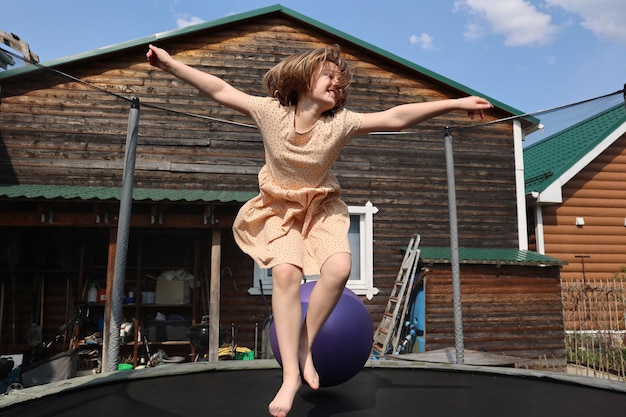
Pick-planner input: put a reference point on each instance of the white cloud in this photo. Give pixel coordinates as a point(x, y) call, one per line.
point(186, 20)
point(518, 21)
point(423, 41)
point(605, 18)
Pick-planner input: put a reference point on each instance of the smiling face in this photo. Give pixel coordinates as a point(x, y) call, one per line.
point(306, 74)
point(325, 86)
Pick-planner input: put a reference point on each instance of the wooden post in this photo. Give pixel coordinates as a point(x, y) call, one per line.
point(109, 292)
point(214, 298)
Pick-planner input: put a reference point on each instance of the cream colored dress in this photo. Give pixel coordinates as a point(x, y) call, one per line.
point(298, 217)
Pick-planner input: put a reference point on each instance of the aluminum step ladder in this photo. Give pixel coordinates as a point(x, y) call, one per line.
point(389, 330)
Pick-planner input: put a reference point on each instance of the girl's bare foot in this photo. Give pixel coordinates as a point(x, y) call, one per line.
point(282, 402)
point(309, 373)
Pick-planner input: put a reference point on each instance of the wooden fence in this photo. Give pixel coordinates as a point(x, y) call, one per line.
point(594, 312)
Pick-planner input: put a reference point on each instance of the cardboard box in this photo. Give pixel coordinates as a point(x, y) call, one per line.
point(172, 292)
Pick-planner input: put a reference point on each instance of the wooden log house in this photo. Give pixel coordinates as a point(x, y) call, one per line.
point(61, 156)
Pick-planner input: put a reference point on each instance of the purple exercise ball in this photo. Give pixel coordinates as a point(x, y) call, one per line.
point(344, 342)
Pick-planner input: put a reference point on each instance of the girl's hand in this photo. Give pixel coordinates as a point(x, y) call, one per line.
point(158, 57)
point(474, 106)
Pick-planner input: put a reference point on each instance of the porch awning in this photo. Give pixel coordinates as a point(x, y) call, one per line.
point(496, 256)
point(70, 192)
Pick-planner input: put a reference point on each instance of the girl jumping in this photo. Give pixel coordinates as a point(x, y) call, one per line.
point(298, 225)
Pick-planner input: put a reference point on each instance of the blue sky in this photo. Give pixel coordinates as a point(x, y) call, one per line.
point(529, 54)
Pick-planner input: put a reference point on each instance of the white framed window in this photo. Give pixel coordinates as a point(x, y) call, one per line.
point(361, 238)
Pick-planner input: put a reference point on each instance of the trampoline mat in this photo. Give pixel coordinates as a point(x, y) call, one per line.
point(373, 392)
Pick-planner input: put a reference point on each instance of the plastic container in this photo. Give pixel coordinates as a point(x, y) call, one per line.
point(244, 356)
point(148, 297)
point(102, 295)
point(92, 294)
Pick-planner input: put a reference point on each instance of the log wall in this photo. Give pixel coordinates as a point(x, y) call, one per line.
point(61, 132)
point(54, 131)
point(512, 310)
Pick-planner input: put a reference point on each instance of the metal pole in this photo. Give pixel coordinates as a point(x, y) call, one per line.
point(454, 250)
point(123, 227)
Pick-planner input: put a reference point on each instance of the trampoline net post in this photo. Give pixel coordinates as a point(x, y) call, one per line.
point(123, 226)
point(454, 249)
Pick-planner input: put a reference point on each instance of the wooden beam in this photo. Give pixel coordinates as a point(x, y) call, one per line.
point(214, 297)
point(109, 293)
point(14, 42)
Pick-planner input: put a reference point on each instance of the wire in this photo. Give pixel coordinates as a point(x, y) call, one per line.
point(545, 111)
point(121, 97)
point(63, 74)
point(200, 116)
point(215, 119)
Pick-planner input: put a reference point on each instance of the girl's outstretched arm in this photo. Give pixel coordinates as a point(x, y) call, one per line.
point(210, 85)
point(406, 115)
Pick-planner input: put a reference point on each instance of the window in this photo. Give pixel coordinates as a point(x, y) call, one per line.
point(361, 238)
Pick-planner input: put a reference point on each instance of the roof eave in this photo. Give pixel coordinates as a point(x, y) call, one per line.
point(94, 193)
point(551, 191)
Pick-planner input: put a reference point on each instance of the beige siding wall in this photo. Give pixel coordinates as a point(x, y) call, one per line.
point(598, 194)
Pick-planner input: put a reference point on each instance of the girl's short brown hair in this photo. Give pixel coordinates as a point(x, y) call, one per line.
point(295, 74)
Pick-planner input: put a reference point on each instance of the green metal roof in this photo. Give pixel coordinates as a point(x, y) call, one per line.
point(65, 192)
point(255, 14)
point(547, 160)
point(496, 256)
